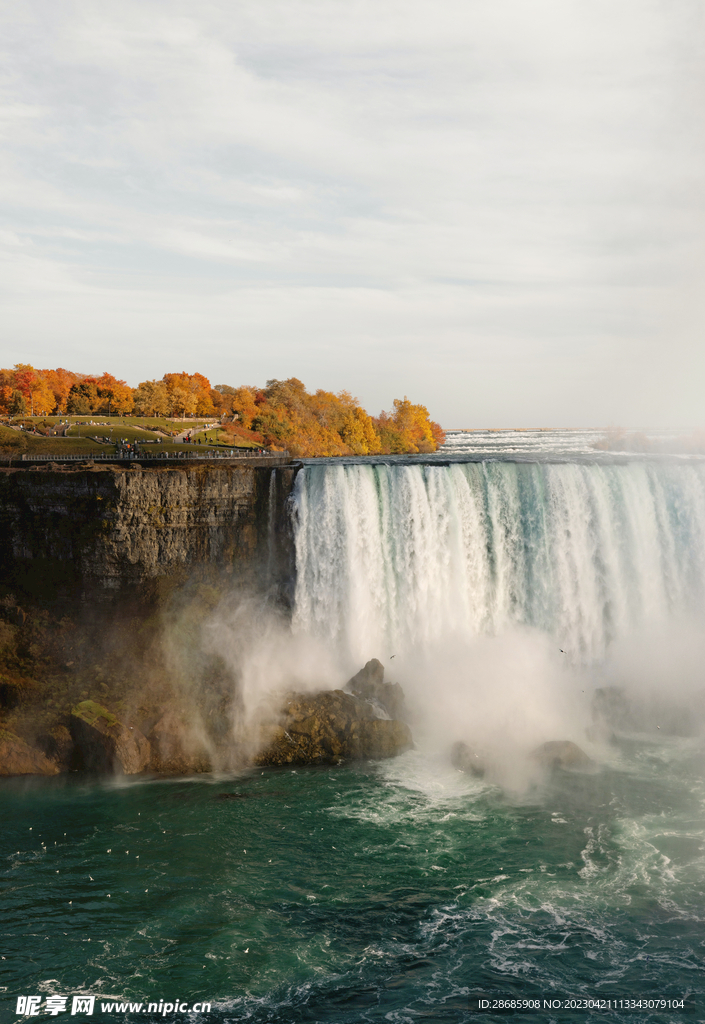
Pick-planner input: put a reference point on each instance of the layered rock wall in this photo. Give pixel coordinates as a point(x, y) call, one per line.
point(96, 530)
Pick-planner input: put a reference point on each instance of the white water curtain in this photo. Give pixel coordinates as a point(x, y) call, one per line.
point(392, 556)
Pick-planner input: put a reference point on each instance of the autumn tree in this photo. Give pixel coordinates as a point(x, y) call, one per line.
point(6, 393)
point(18, 404)
point(287, 416)
point(243, 404)
point(33, 388)
point(60, 382)
point(151, 398)
point(189, 393)
point(359, 434)
point(218, 402)
point(408, 429)
point(42, 399)
point(24, 376)
point(115, 395)
point(83, 397)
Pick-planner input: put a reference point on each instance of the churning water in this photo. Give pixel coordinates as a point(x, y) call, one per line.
point(501, 592)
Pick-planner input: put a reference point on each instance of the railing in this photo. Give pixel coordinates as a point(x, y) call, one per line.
point(241, 453)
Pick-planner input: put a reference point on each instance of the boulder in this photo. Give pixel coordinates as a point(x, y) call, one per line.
point(466, 759)
point(104, 743)
point(18, 758)
point(369, 685)
point(560, 754)
point(329, 727)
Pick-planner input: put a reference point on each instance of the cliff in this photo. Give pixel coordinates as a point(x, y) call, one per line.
point(130, 596)
point(101, 530)
point(109, 577)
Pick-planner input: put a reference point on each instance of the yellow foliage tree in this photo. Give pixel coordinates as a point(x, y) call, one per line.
point(151, 398)
point(189, 393)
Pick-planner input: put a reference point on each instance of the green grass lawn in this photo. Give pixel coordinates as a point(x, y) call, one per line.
point(118, 431)
point(103, 423)
point(132, 429)
point(16, 442)
point(161, 423)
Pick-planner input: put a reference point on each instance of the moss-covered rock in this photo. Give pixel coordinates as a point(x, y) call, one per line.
point(329, 727)
point(104, 743)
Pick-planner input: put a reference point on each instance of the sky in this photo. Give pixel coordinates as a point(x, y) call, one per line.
point(494, 207)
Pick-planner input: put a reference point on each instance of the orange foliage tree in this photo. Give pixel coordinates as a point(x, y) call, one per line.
point(189, 394)
point(60, 381)
point(408, 429)
point(285, 416)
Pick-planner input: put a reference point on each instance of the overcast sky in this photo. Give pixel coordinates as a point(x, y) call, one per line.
point(492, 206)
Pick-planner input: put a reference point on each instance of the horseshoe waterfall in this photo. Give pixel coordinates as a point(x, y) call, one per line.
point(395, 556)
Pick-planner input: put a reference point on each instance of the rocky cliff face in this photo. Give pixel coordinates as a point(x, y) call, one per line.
point(128, 597)
point(109, 575)
point(96, 530)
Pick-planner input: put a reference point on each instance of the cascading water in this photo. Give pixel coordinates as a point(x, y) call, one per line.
point(393, 556)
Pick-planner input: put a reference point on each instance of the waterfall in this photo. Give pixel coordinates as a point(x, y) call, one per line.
point(393, 556)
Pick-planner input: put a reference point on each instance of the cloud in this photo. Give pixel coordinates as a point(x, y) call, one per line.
point(474, 196)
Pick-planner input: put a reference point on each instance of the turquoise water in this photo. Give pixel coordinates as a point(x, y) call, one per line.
point(391, 891)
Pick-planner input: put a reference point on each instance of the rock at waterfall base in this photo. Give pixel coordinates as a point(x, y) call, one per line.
point(329, 727)
point(466, 759)
point(104, 743)
point(369, 685)
point(561, 754)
